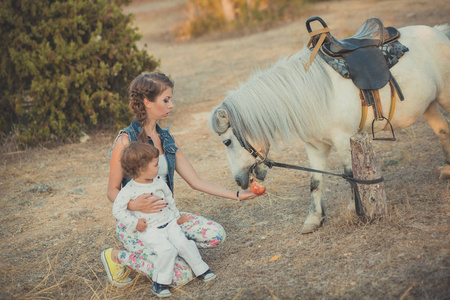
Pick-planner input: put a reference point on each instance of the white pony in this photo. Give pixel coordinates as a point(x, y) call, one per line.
point(324, 109)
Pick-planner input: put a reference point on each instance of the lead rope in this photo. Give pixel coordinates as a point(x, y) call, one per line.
point(352, 181)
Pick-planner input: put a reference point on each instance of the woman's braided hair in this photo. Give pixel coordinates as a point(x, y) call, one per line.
point(146, 86)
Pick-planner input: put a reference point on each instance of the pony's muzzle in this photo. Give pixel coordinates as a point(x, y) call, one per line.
point(242, 181)
point(243, 178)
point(260, 171)
point(257, 170)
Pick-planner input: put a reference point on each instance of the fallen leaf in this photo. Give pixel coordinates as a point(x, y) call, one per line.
point(274, 258)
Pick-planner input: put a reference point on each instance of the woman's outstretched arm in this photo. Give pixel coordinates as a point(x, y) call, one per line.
point(187, 172)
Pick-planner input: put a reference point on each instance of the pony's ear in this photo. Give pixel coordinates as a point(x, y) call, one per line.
point(222, 117)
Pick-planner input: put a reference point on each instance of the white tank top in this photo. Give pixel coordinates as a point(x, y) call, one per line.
point(163, 171)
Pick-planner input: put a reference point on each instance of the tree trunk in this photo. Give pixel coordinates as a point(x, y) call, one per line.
point(228, 10)
point(249, 11)
point(373, 196)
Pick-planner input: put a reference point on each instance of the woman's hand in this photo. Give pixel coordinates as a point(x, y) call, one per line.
point(247, 195)
point(141, 225)
point(147, 203)
point(183, 219)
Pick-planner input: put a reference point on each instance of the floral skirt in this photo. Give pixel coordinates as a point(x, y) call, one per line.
point(204, 232)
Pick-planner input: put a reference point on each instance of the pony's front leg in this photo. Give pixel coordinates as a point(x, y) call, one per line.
point(342, 144)
point(318, 159)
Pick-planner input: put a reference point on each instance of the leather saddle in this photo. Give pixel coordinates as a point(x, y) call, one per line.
point(371, 34)
point(365, 57)
point(365, 62)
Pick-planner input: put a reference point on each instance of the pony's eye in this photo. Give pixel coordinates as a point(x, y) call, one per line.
point(227, 142)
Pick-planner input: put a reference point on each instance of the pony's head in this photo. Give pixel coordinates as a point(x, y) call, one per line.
point(241, 162)
point(278, 102)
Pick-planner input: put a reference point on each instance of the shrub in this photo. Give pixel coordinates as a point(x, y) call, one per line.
point(65, 66)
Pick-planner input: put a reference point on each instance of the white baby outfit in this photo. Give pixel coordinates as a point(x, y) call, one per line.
point(163, 235)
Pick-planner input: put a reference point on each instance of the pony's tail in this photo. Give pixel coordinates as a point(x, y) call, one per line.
point(445, 28)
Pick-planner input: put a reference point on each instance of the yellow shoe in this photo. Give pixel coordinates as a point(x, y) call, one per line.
point(117, 274)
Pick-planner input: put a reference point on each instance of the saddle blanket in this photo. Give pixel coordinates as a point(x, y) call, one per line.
point(391, 52)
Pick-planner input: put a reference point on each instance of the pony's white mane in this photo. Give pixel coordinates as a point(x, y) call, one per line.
point(280, 101)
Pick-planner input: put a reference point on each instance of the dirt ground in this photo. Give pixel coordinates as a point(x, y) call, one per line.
point(56, 218)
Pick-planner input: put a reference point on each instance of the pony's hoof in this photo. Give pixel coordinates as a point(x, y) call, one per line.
point(444, 177)
point(309, 228)
point(351, 206)
point(312, 223)
point(445, 172)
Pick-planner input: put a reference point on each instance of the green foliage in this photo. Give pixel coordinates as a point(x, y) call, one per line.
point(65, 66)
point(206, 16)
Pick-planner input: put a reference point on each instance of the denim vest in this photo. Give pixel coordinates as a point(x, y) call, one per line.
point(168, 144)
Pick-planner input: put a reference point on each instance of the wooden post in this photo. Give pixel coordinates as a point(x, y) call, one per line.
point(373, 196)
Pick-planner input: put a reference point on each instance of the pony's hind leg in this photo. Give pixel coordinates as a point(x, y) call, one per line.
point(318, 159)
point(440, 126)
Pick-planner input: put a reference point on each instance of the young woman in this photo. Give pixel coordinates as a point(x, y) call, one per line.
point(150, 98)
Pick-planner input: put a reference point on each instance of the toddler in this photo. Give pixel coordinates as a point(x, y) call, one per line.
point(157, 231)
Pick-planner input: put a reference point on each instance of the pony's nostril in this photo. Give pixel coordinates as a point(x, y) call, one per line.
point(261, 175)
point(238, 182)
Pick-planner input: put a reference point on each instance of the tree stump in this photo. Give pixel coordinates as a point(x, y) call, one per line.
point(364, 164)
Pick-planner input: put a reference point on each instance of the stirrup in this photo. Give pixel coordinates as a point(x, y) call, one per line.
point(383, 139)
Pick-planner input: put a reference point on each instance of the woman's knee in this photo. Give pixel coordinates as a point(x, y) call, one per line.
point(221, 234)
point(204, 232)
point(218, 237)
